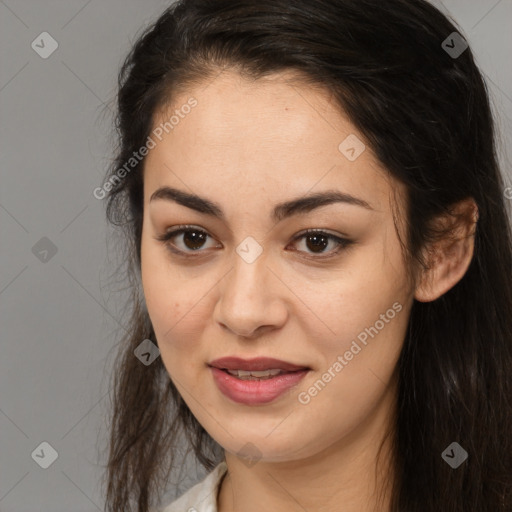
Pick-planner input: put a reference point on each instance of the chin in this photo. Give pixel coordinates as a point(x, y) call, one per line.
point(261, 447)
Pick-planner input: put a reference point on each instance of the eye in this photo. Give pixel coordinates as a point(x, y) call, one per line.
point(193, 240)
point(317, 241)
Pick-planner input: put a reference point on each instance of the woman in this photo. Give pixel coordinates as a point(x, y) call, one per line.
point(319, 247)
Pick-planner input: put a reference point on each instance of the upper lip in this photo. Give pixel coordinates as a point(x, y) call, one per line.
point(256, 364)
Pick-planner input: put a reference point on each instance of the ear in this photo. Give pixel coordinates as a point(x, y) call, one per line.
point(448, 259)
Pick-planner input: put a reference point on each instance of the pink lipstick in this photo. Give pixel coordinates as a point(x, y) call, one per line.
point(255, 381)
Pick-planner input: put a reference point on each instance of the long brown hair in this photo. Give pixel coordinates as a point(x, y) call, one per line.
point(426, 115)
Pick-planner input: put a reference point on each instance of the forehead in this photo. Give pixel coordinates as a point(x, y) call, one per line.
point(271, 136)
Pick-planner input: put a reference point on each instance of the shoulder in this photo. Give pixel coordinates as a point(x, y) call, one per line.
point(202, 497)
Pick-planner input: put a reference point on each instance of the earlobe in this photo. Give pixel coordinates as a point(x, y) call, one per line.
point(449, 258)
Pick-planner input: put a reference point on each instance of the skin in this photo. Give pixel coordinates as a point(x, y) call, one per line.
point(249, 146)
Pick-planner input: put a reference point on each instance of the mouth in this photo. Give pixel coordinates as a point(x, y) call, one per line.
point(258, 367)
point(255, 375)
point(255, 381)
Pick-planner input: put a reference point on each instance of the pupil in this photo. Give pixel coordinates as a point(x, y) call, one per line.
point(319, 241)
point(195, 239)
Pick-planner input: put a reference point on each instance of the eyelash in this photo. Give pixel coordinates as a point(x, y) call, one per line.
point(165, 238)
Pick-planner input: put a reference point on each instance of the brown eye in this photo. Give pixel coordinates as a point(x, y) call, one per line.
point(187, 240)
point(317, 241)
point(192, 240)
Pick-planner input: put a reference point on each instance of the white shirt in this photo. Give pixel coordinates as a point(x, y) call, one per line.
point(203, 496)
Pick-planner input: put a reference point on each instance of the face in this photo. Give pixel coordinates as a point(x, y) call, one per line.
point(246, 280)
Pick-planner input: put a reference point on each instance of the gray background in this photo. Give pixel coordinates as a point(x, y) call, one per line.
point(61, 317)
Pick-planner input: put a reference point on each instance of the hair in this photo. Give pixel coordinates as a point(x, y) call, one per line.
point(426, 115)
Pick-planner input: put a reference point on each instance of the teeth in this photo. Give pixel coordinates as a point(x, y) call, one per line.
point(254, 375)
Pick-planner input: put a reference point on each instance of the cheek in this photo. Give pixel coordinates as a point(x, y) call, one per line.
point(175, 309)
point(368, 311)
point(156, 292)
point(162, 293)
point(352, 305)
point(372, 324)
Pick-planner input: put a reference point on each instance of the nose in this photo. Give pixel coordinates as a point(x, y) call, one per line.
point(252, 299)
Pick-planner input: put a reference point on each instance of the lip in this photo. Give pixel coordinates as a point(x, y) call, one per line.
point(255, 392)
point(256, 364)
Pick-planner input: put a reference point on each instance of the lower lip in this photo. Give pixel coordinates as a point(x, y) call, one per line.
point(252, 392)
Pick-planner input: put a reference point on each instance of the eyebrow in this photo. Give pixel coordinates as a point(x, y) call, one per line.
point(281, 211)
